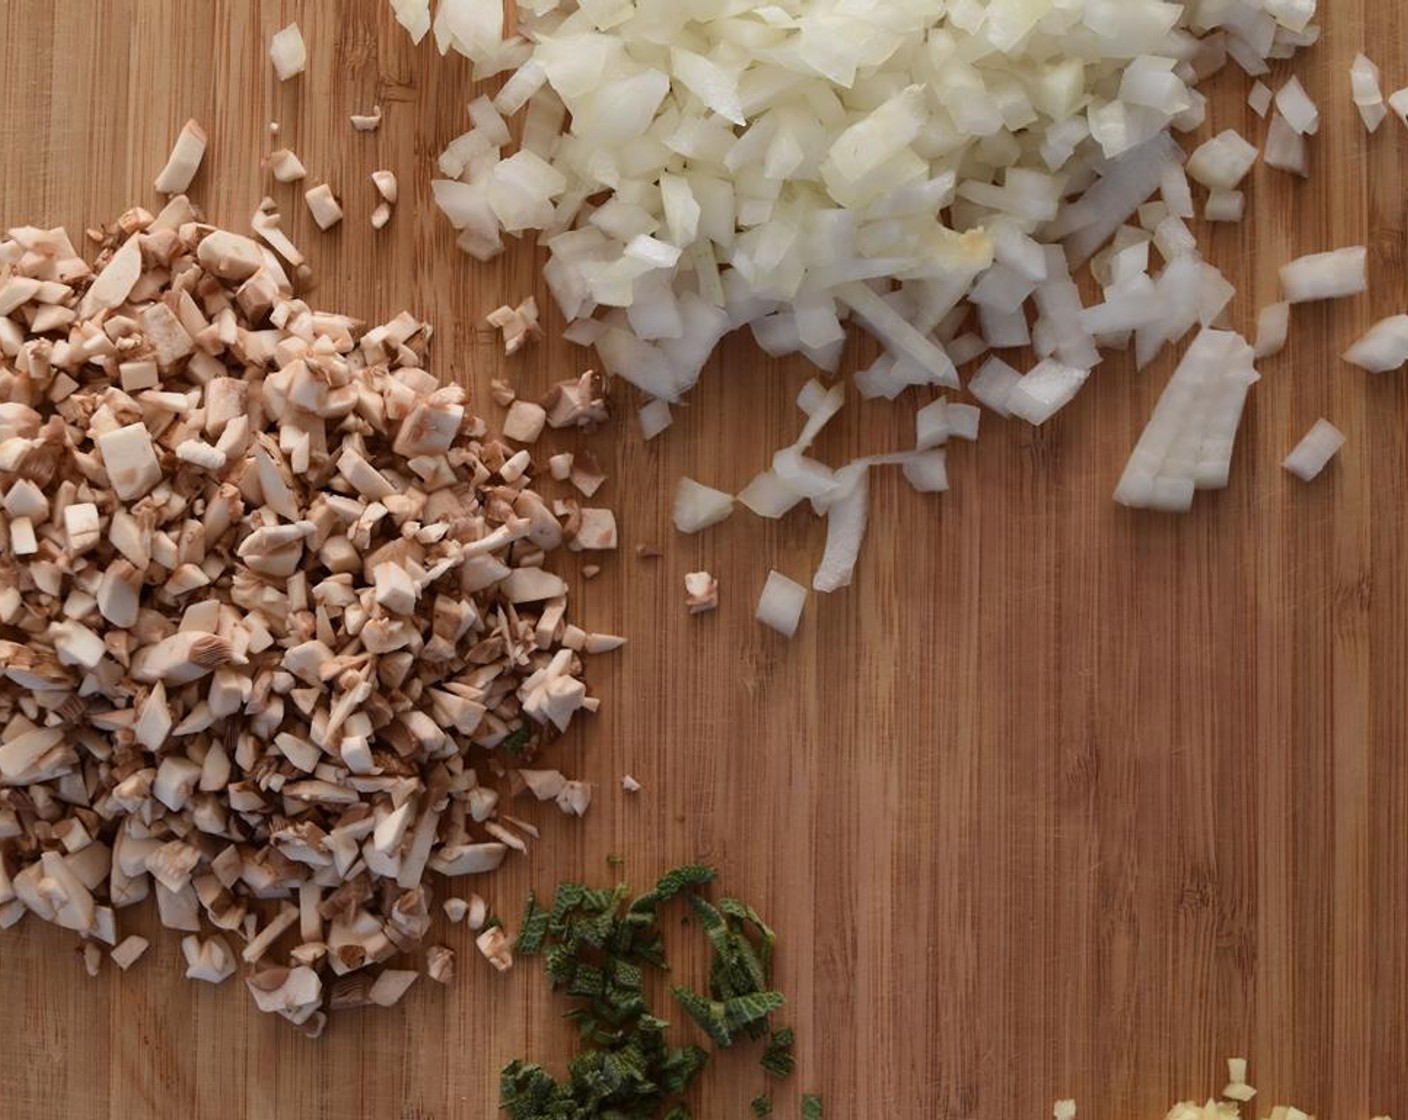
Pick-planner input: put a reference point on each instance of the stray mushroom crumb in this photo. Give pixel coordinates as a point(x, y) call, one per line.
point(385, 183)
point(560, 466)
point(266, 224)
point(208, 959)
point(575, 798)
point(440, 963)
point(701, 591)
point(285, 166)
point(478, 913)
point(367, 122)
point(502, 393)
point(494, 944)
point(184, 161)
point(586, 474)
point(288, 52)
point(323, 205)
point(596, 531)
point(577, 403)
point(518, 325)
point(129, 952)
point(630, 785)
point(543, 784)
point(456, 909)
point(525, 422)
point(603, 643)
point(388, 988)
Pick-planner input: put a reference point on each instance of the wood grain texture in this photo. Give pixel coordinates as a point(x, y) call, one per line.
point(1058, 800)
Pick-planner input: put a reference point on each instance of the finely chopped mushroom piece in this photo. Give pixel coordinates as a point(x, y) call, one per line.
point(285, 166)
point(185, 160)
point(323, 205)
point(367, 122)
point(288, 52)
point(386, 186)
point(519, 325)
point(277, 604)
point(701, 592)
point(494, 944)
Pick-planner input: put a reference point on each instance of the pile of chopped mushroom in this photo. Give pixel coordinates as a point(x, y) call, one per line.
point(274, 616)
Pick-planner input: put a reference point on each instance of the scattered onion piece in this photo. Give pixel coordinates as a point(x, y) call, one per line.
point(1273, 328)
point(1286, 149)
point(963, 421)
point(1188, 443)
point(768, 496)
point(1313, 454)
point(654, 419)
point(1043, 392)
point(1368, 94)
point(993, 385)
point(847, 514)
point(927, 471)
point(1222, 162)
point(1384, 349)
point(1225, 206)
point(780, 605)
point(697, 507)
point(1296, 106)
point(1333, 275)
point(1398, 102)
point(821, 406)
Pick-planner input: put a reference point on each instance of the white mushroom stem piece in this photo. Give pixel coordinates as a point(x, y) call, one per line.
point(185, 159)
point(323, 205)
point(288, 52)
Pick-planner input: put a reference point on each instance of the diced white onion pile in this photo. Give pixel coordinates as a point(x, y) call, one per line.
point(908, 166)
point(698, 168)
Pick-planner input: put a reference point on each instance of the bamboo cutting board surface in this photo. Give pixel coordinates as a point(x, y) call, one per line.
point(1057, 800)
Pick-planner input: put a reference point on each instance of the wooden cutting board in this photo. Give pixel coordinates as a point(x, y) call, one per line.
point(1057, 800)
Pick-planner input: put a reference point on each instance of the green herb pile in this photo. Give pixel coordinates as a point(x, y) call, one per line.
point(596, 945)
